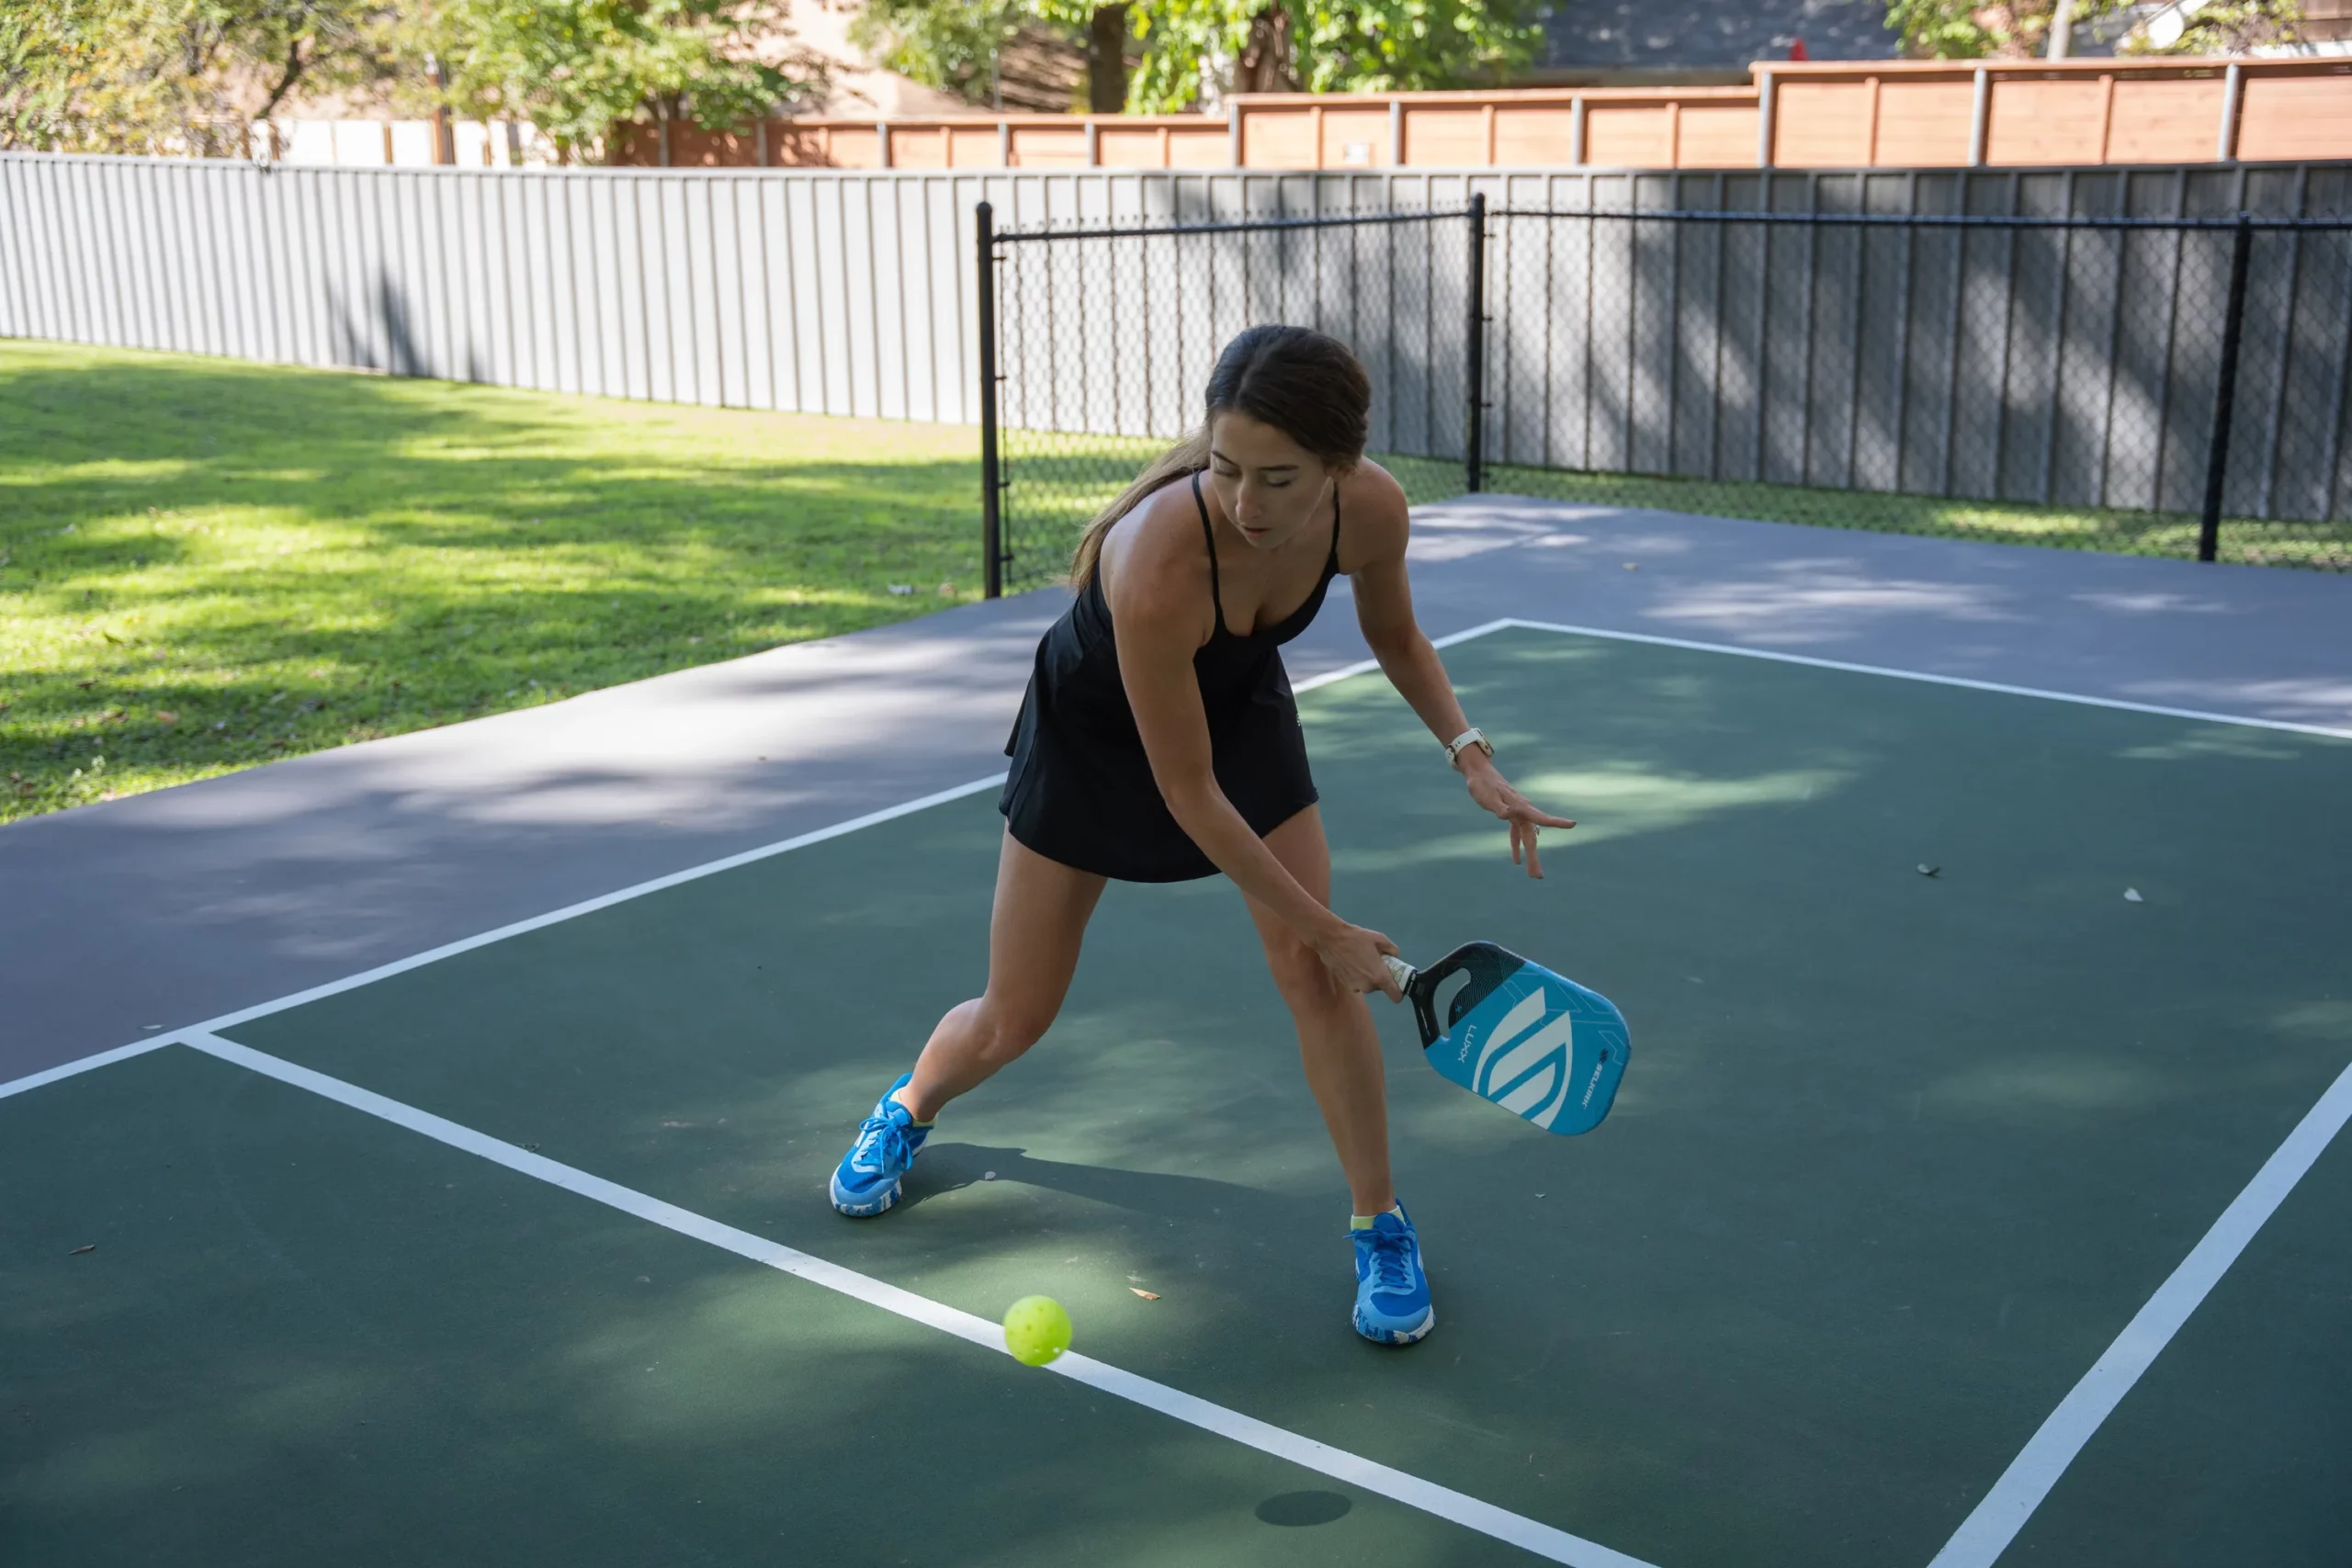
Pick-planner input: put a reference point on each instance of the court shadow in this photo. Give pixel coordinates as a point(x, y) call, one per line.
point(1298, 1509)
point(1194, 1199)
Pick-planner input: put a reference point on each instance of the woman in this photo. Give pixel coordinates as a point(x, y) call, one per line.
point(1172, 750)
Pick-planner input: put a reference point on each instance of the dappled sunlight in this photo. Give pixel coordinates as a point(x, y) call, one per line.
point(729, 1355)
point(1617, 801)
point(2212, 742)
point(1822, 600)
point(2078, 1084)
point(400, 554)
point(282, 1400)
point(1127, 1091)
point(2327, 1022)
point(2323, 701)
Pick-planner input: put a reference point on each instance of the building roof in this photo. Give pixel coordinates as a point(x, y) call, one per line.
point(1681, 34)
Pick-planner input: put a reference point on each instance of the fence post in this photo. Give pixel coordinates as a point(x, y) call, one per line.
point(1473, 438)
point(2225, 393)
point(991, 523)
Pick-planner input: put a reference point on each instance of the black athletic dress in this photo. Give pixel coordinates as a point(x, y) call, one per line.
point(1080, 789)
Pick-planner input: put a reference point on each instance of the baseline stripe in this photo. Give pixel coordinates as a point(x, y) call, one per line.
point(1994, 1522)
point(620, 896)
point(69, 1070)
point(1962, 681)
point(1556, 1545)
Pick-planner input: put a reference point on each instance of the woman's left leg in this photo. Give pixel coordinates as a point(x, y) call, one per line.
point(1336, 1038)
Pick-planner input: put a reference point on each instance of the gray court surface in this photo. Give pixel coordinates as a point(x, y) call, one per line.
point(142, 915)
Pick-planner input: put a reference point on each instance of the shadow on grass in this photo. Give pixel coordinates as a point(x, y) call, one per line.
point(210, 564)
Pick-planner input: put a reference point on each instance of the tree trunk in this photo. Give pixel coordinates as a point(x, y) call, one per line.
point(1107, 60)
point(1266, 62)
point(2062, 31)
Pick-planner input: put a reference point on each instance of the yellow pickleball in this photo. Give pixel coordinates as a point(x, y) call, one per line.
point(1036, 1330)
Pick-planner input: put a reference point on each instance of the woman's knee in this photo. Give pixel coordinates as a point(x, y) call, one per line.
point(1010, 1026)
point(1302, 977)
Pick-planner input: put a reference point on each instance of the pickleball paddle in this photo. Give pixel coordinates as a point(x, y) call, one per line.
point(1538, 1044)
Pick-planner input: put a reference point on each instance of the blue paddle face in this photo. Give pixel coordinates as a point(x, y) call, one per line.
point(1540, 1046)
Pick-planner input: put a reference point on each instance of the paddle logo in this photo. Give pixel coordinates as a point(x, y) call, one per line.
point(1523, 1064)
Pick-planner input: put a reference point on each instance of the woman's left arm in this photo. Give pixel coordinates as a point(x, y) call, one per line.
point(1385, 611)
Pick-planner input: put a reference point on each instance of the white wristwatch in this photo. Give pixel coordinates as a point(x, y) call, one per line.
point(1471, 737)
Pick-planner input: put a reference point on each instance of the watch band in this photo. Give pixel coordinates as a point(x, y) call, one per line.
point(1471, 737)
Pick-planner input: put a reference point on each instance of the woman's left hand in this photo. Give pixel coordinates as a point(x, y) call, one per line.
point(1491, 790)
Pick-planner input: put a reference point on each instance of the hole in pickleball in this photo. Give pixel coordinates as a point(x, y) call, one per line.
point(1299, 1508)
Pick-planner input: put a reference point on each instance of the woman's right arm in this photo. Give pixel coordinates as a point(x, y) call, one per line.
point(1157, 613)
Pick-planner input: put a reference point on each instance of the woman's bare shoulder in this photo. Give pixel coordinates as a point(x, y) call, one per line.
point(1154, 559)
point(1375, 517)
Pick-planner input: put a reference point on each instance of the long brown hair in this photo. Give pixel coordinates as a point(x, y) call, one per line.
point(1309, 386)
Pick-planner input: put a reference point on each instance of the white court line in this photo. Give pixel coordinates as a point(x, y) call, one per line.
point(2022, 1487)
point(1962, 681)
point(1987, 1531)
point(119, 1054)
point(1557, 1546)
point(517, 927)
point(621, 896)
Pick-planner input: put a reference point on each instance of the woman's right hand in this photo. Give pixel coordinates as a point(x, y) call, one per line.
point(1354, 956)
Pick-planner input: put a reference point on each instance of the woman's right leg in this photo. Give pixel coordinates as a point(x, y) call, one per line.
point(1034, 930)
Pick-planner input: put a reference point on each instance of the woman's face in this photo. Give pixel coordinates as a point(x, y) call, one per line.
point(1268, 485)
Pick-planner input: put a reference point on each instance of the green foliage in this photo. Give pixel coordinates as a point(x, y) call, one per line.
point(2020, 29)
point(947, 44)
point(1374, 46)
point(173, 76)
point(575, 67)
point(2227, 28)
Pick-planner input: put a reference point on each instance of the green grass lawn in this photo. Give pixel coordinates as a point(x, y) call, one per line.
point(206, 564)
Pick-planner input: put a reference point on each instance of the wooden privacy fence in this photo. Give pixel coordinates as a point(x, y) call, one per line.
point(1897, 113)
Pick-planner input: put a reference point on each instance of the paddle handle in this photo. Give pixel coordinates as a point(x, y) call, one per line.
point(1399, 971)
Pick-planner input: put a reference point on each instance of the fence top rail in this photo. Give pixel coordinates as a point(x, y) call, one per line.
point(1928, 219)
point(1230, 226)
point(2223, 223)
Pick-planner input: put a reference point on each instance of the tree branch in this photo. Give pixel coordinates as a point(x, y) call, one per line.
point(294, 64)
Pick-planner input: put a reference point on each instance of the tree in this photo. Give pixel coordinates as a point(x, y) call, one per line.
point(1217, 45)
point(576, 68)
point(2021, 30)
point(955, 45)
point(175, 75)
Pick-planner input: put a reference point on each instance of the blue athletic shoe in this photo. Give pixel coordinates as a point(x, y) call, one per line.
point(866, 1181)
point(1392, 1288)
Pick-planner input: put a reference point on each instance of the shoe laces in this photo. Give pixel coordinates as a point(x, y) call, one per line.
point(881, 1144)
point(1392, 1268)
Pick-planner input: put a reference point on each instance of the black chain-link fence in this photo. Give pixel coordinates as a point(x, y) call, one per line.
point(2163, 387)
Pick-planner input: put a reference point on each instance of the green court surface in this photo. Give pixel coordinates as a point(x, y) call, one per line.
point(1896, 1159)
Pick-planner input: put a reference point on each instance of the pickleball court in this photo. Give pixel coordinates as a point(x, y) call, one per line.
point(521, 1254)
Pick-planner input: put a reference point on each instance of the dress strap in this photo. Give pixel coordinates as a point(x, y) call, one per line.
point(1208, 535)
point(1331, 566)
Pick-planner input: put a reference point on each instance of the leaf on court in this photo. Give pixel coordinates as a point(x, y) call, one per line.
point(1632, 566)
point(2132, 896)
point(1148, 1295)
point(988, 1176)
point(79, 1250)
point(1926, 870)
